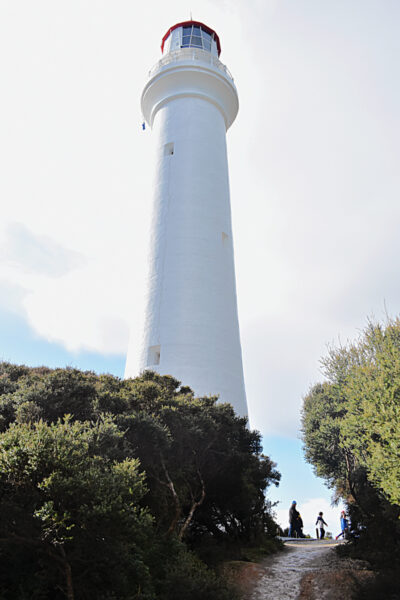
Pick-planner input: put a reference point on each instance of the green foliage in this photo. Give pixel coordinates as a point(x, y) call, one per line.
point(351, 428)
point(373, 421)
point(73, 508)
point(102, 480)
point(190, 579)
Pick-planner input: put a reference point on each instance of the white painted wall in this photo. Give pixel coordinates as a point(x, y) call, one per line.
point(191, 319)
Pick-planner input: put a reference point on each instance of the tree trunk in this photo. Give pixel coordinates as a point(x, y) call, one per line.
point(63, 564)
point(178, 508)
point(195, 504)
point(68, 575)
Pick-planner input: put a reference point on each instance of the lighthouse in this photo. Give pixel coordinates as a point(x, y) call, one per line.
point(191, 328)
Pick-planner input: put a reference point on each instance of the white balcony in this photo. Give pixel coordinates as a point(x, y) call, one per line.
point(190, 54)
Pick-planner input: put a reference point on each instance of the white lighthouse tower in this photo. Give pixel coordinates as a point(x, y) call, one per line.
point(191, 322)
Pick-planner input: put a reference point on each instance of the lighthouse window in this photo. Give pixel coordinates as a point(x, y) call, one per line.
point(169, 149)
point(187, 32)
point(206, 40)
point(196, 41)
point(195, 37)
point(153, 355)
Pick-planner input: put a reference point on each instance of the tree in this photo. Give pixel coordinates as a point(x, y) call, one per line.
point(71, 516)
point(373, 393)
point(205, 476)
point(205, 468)
point(351, 426)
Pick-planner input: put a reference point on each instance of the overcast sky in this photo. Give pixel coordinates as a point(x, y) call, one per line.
point(314, 177)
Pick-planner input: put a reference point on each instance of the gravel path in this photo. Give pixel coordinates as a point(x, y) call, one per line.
point(309, 571)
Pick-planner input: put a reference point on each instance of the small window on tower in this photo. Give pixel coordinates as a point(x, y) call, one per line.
point(169, 149)
point(153, 355)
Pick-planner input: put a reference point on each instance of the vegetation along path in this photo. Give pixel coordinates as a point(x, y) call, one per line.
point(309, 570)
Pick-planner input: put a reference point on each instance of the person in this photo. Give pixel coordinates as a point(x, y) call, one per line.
point(294, 524)
point(344, 525)
point(300, 526)
point(320, 526)
point(293, 516)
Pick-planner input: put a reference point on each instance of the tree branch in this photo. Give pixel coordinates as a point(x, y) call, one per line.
point(175, 496)
point(195, 504)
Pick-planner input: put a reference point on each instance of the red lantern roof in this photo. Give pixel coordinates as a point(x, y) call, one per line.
point(188, 24)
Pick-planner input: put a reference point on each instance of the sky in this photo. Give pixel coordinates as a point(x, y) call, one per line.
point(314, 178)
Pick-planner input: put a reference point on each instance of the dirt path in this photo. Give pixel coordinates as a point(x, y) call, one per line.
point(309, 571)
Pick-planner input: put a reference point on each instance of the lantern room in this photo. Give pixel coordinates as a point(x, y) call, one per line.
point(191, 34)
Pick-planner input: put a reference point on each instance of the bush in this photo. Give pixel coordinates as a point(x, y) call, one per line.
point(189, 579)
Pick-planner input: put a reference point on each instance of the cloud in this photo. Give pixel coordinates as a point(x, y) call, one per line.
point(12, 297)
point(84, 310)
point(115, 332)
point(35, 253)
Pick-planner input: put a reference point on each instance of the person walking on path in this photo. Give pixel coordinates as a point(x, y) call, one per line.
point(344, 525)
point(320, 526)
point(294, 523)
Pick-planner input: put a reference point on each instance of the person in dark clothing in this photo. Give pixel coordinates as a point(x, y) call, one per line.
point(320, 526)
point(294, 521)
point(300, 526)
point(293, 516)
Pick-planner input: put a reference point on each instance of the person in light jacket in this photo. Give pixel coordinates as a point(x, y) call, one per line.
point(344, 525)
point(320, 526)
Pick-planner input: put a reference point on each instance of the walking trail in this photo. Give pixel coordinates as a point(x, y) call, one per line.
point(309, 570)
